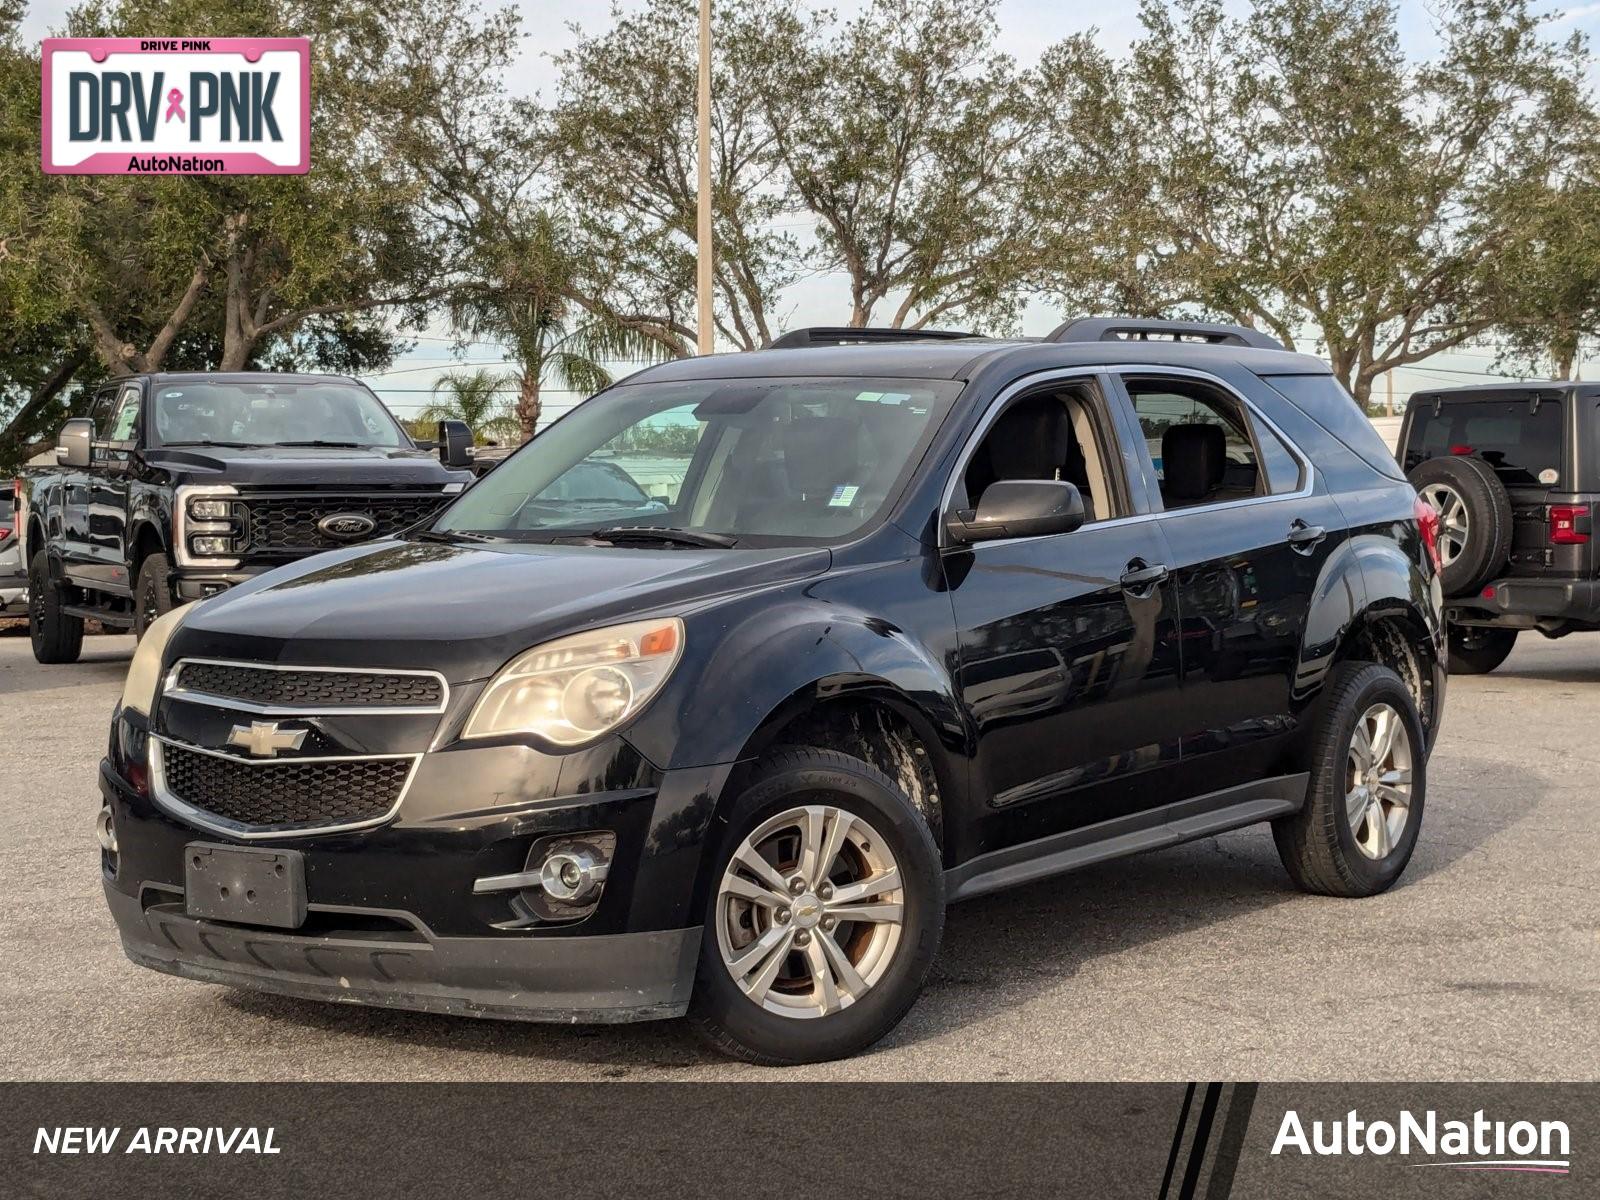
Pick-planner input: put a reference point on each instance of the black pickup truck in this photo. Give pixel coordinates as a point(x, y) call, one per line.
point(178, 486)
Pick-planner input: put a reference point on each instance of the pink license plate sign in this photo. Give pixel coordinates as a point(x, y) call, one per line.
point(177, 106)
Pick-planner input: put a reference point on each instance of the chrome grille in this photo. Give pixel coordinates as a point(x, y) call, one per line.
point(282, 796)
point(308, 689)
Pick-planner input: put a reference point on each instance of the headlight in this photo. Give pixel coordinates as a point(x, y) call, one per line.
point(144, 672)
point(575, 689)
point(210, 510)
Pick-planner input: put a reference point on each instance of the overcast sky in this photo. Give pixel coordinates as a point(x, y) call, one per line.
point(1026, 26)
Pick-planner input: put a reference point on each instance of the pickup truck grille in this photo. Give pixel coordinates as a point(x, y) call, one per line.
point(288, 524)
point(292, 795)
point(308, 689)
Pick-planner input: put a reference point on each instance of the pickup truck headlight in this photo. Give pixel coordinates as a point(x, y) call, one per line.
point(144, 672)
point(579, 688)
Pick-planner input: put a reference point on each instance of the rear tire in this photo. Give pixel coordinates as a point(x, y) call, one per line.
point(1359, 824)
point(790, 1014)
point(1475, 533)
point(1479, 649)
point(57, 636)
point(152, 597)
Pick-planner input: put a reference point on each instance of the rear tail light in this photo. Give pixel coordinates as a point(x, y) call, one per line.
point(5, 532)
point(1569, 524)
point(1428, 523)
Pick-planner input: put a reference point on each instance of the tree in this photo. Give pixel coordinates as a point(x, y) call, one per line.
point(1553, 268)
point(141, 261)
point(474, 398)
point(909, 138)
point(623, 153)
point(1292, 169)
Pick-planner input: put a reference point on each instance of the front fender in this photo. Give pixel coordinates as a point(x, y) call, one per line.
point(780, 658)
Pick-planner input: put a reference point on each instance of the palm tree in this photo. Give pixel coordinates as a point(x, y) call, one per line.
point(473, 397)
point(524, 297)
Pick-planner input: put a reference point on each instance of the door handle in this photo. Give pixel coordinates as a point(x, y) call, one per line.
point(1304, 537)
point(1141, 579)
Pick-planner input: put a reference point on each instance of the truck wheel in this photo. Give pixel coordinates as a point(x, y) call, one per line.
point(1474, 519)
point(57, 637)
point(824, 913)
point(1356, 831)
point(152, 595)
point(1479, 649)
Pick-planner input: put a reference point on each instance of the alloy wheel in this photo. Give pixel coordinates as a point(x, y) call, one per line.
point(810, 911)
point(1378, 786)
point(1454, 521)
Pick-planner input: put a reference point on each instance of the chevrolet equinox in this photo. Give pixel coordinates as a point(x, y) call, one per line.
point(710, 698)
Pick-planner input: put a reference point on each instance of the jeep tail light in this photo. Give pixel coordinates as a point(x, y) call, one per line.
point(1569, 524)
point(1428, 523)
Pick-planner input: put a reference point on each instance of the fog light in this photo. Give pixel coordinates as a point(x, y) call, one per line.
point(562, 881)
point(572, 876)
point(105, 830)
point(211, 546)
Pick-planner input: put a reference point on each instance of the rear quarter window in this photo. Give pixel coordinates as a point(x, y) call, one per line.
point(1324, 400)
point(1522, 445)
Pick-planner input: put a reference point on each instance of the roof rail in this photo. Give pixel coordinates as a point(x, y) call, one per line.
point(844, 335)
point(1139, 329)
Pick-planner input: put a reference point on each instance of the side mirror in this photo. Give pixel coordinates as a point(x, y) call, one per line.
point(1017, 508)
point(72, 443)
point(455, 444)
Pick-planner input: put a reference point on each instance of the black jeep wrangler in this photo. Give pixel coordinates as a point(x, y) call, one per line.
point(179, 486)
point(900, 623)
point(1514, 472)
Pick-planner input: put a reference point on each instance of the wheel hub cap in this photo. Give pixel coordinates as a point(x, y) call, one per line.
point(1454, 521)
point(1378, 781)
point(810, 911)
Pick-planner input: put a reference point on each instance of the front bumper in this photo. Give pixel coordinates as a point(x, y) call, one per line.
point(196, 583)
point(1535, 600)
point(609, 978)
point(392, 916)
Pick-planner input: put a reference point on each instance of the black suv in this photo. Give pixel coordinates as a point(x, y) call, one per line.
point(913, 620)
point(1514, 471)
point(177, 486)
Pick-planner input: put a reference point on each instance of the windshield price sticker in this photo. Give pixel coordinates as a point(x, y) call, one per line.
point(177, 106)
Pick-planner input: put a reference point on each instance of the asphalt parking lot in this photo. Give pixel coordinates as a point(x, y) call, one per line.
point(1193, 963)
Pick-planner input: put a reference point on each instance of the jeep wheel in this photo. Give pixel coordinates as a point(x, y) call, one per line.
point(1479, 649)
point(1363, 808)
point(57, 637)
point(152, 596)
point(824, 914)
point(1474, 519)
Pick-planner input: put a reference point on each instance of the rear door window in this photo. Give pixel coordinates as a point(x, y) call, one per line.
point(1523, 446)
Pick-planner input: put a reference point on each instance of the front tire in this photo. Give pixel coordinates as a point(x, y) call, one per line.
point(1363, 809)
point(57, 636)
point(1479, 649)
point(152, 595)
point(824, 912)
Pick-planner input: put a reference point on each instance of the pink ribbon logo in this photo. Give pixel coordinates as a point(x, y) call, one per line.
point(175, 105)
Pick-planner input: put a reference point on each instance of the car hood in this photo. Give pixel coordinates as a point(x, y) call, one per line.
point(464, 610)
point(310, 466)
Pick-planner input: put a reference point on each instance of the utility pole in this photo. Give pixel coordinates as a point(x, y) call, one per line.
point(706, 319)
point(1389, 381)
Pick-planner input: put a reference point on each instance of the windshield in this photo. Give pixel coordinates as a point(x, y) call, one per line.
point(758, 461)
point(278, 413)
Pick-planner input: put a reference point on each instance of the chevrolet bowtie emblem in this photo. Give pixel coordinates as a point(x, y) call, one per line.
point(264, 739)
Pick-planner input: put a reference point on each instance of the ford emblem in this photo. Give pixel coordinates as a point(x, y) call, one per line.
point(347, 527)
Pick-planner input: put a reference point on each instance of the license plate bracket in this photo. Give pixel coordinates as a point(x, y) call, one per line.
point(245, 885)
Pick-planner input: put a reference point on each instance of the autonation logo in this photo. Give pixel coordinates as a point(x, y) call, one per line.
point(1479, 1144)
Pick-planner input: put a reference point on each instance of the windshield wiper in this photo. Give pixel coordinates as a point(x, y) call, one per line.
point(451, 536)
point(210, 442)
point(323, 442)
point(657, 533)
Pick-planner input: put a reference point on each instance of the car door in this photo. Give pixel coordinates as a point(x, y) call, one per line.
point(77, 501)
point(1068, 658)
point(105, 559)
point(1248, 528)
